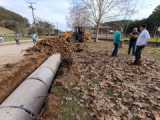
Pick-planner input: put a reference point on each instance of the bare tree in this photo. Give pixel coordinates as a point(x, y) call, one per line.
point(103, 10)
point(78, 16)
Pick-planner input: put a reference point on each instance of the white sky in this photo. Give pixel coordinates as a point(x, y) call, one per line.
point(55, 11)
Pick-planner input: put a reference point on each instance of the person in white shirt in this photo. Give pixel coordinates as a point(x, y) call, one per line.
point(141, 43)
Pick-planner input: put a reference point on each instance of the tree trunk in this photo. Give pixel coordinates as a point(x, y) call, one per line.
point(97, 32)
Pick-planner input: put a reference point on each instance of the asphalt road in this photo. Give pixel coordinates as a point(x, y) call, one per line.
point(12, 53)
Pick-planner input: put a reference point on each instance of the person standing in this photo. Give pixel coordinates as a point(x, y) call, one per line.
point(34, 37)
point(2, 40)
point(132, 42)
point(17, 38)
point(141, 43)
point(117, 41)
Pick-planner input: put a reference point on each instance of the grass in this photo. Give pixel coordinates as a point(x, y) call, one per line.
point(12, 38)
point(6, 31)
point(70, 108)
point(151, 51)
point(154, 40)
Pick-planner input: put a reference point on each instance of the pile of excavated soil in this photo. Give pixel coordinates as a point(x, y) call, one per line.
point(11, 75)
point(52, 45)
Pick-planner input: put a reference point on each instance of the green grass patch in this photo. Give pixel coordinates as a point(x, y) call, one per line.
point(71, 107)
point(12, 38)
point(154, 40)
point(71, 110)
point(6, 31)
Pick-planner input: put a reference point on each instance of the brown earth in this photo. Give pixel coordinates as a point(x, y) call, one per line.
point(99, 87)
point(95, 86)
point(13, 74)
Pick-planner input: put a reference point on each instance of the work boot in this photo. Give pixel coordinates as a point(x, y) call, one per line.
point(137, 63)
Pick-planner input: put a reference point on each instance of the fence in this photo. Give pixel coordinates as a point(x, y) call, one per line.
point(103, 36)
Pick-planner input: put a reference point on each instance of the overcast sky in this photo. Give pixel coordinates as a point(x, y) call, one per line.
point(55, 11)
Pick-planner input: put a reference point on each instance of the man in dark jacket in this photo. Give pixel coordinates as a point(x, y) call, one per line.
point(132, 42)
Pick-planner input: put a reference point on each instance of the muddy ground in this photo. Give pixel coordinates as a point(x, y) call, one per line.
point(91, 85)
point(99, 87)
point(13, 74)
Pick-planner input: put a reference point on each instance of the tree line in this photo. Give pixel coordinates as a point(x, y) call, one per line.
point(18, 23)
point(152, 22)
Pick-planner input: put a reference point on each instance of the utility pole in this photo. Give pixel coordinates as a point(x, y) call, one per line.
point(31, 6)
point(33, 9)
point(57, 28)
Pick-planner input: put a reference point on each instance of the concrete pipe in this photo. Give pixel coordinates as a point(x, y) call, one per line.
point(27, 100)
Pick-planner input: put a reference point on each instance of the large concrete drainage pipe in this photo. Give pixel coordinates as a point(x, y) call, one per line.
point(26, 101)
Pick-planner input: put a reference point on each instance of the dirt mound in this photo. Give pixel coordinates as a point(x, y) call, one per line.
point(50, 46)
point(12, 75)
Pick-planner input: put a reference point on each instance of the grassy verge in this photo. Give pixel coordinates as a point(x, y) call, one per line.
point(154, 40)
point(70, 106)
point(12, 38)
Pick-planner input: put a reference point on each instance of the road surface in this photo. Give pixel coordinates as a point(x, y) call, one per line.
point(12, 53)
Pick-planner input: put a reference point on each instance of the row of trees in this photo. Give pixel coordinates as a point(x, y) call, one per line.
point(152, 22)
point(12, 21)
point(17, 23)
point(42, 27)
point(95, 12)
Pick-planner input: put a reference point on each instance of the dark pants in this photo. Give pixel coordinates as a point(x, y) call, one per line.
point(132, 47)
point(17, 41)
point(138, 54)
point(115, 51)
point(34, 41)
point(80, 37)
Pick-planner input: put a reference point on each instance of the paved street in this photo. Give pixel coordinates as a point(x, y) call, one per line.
point(12, 53)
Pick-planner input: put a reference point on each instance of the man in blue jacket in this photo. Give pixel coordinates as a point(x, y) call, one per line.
point(117, 41)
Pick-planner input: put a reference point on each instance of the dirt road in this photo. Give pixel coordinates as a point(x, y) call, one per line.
point(12, 53)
